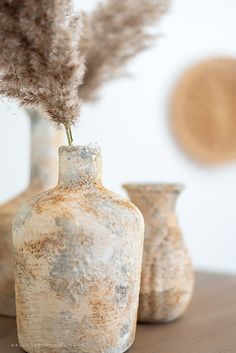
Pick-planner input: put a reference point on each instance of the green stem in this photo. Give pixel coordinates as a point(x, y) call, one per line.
point(69, 134)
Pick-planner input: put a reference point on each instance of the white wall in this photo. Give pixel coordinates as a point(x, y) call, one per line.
point(131, 124)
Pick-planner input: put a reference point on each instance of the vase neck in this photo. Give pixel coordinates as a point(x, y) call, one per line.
point(79, 166)
point(155, 201)
point(45, 140)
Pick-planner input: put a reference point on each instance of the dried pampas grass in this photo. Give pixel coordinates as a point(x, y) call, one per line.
point(40, 63)
point(114, 33)
point(42, 45)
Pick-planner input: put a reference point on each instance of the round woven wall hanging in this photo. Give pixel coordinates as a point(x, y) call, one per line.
point(203, 111)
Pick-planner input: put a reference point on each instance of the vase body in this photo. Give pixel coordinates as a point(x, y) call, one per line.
point(44, 173)
point(78, 252)
point(167, 274)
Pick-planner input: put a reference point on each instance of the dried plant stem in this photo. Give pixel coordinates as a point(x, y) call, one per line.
point(69, 134)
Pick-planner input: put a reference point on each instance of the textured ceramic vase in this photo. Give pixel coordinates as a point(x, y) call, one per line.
point(45, 141)
point(167, 273)
point(78, 253)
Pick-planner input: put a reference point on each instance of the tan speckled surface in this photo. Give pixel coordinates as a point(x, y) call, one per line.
point(167, 274)
point(208, 325)
point(78, 253)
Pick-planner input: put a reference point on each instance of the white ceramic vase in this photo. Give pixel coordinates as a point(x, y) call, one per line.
point(45, 141)
point(167, 272)
point(78, 252)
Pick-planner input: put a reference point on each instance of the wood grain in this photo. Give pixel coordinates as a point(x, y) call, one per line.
point(209, 325)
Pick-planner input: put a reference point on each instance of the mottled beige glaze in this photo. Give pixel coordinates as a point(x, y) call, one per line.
point(78, 254)
point(45, 141)
point(167, 273)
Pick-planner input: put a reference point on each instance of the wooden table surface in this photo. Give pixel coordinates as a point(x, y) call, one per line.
point(209, 325)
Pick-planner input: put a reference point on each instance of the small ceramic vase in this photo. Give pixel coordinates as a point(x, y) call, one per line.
point(78, 253)
point(167, 273)
point(45, 141)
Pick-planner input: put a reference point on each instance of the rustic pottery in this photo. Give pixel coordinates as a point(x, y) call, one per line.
point(44, 171)
point(78, 253)
point(167, 273)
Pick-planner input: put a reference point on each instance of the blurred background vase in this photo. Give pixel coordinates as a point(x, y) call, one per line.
point(78, 255)
point(167, 272)
point(45, 141)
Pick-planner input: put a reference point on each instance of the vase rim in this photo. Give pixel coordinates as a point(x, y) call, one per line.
point(163, 187)
point(91, 147)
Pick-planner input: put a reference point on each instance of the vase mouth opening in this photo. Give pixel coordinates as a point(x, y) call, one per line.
point(158, 187)
point(79, 148)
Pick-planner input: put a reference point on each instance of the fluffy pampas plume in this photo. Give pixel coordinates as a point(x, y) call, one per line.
point(40, 64)
point(114, 33)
